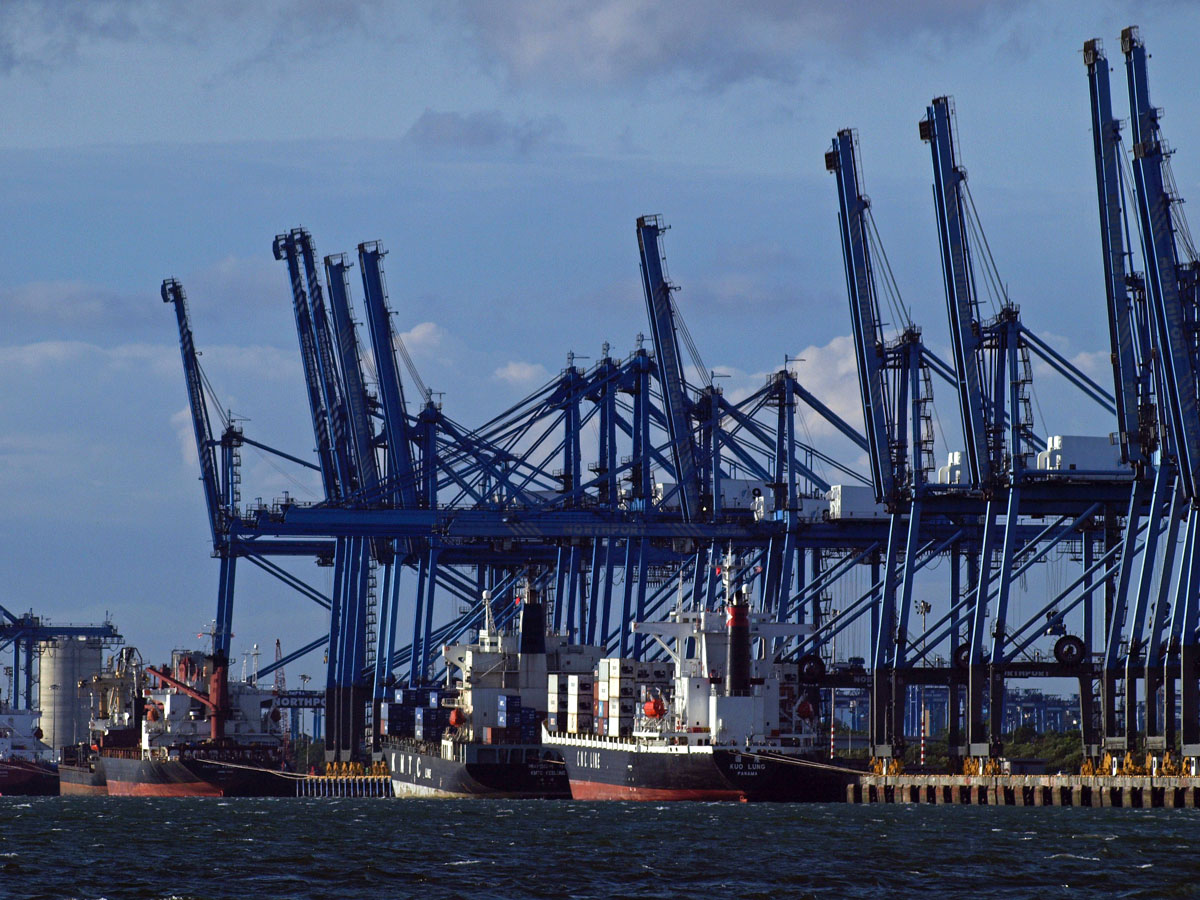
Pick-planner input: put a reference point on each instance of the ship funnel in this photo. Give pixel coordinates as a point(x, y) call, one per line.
point(533, 624)
point(737, 667)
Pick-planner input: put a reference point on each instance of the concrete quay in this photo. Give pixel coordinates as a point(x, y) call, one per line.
point(1136, 792)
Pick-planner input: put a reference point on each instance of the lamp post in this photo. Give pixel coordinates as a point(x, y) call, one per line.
point(833, 614)
point(304, 680)
point(923, 609)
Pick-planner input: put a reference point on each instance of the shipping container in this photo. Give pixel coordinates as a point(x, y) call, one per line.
point(621, 690)
point(851, 501)
point(578, 723)
point(619, 725)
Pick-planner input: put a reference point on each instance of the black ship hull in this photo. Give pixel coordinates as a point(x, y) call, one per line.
point(193, 777)
point(24, 778)
point(515, 771)
point(82, 780)
point(609, 770)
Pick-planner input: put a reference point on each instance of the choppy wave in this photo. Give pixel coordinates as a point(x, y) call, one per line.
point(186, 849)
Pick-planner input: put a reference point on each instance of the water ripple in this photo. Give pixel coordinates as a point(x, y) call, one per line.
point(186, 849)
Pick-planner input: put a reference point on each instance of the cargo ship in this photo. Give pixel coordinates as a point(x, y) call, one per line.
point(713, 721)
point(480, 734)
point(178, 730)
point(26, 763)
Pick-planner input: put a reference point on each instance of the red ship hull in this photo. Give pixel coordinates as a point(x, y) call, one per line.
point(598, 790)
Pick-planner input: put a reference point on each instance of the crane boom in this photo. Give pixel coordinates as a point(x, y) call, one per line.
point(1106, 140)
point(670, 366)
point(285, 249)
point(391, 390)
point(961, 301)
point(358, 401)
point(1174, 341)
point(332, 385)
point(864, 311)
point(206, 452)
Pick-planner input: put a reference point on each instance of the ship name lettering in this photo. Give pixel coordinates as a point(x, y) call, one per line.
point(588, 759)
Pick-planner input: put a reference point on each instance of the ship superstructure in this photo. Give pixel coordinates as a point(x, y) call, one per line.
point(728, 724)
point(485, 737)
point(26, 762)
point(180, 729)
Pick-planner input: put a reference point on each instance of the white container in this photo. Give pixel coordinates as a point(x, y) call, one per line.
point(852, 501)
point(1097, 456)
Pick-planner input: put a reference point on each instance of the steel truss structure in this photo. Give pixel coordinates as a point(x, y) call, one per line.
point(614, 490)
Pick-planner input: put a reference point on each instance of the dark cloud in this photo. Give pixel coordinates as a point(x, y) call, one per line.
point(486, 130)
point(714, 41)
point(42, 35)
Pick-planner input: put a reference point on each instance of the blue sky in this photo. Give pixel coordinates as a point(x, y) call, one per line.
point(502, 153)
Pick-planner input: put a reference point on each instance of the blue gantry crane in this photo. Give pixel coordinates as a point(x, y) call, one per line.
point(681, 474)
point(1171, 279)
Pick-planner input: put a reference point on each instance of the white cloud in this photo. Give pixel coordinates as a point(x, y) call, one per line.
point(424, 338)
point(521, 374)
point(181, 424)
point(830, 373)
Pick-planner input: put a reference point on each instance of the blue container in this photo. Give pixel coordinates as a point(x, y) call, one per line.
point(502, 719)
point(413, 696)
point(398, 712)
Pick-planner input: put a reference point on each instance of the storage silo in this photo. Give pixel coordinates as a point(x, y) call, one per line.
point(66, 708)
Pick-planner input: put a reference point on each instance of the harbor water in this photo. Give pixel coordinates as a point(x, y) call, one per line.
point(130, 848)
